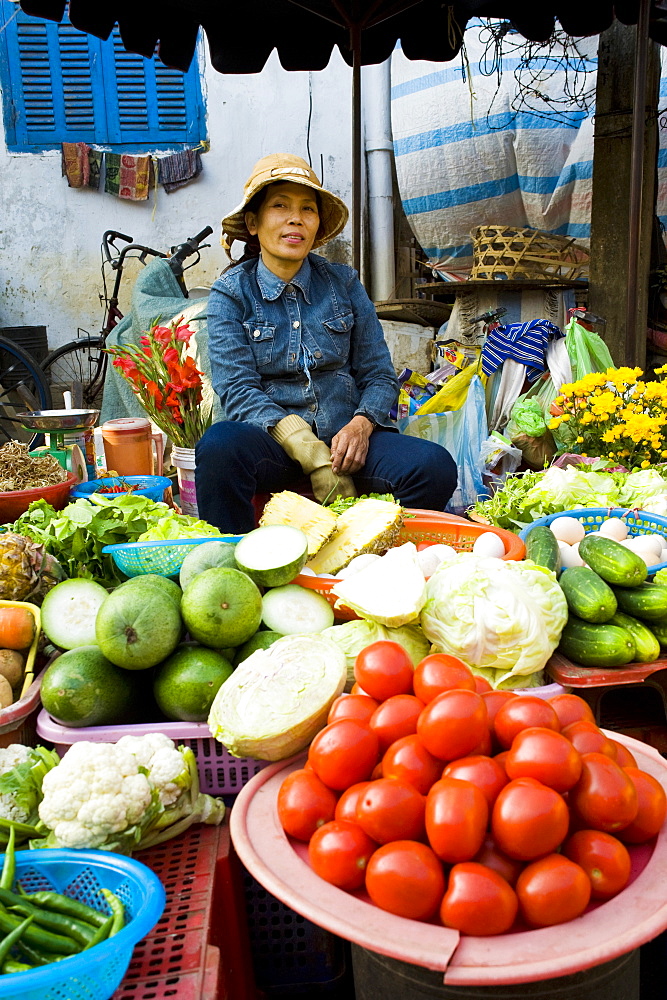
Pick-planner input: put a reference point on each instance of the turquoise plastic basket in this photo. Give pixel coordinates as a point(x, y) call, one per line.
point(164, 558)
point(639, 522)
point(94, 974)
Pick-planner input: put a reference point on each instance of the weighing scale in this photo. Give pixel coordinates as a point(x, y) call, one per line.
point(67, 433)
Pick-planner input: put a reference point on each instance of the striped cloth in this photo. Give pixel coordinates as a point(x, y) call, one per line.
point(525, 343)
point(464, 158)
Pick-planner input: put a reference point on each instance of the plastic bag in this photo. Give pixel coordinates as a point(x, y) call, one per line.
point(588, 351)
point(461, 432)
point(527, 418)
point(453, 394)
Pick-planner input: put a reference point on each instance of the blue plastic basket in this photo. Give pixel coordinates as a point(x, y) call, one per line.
point(164, 557)
point(152, 487)
point(94, 974)
point(639, 522)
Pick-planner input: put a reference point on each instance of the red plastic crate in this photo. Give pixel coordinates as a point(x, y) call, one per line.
point(199, 949)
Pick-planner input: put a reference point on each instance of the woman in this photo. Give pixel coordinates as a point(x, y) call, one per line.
point(301, 366)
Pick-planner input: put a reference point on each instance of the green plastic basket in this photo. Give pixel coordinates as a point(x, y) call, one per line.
point(164, 558)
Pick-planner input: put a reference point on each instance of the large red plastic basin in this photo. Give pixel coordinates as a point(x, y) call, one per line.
point(604, 932)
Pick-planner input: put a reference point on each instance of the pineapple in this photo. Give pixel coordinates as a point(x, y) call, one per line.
point(367, 526)
point(27, 571)
point(317, 523)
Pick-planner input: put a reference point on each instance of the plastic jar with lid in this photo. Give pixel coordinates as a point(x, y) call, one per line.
point(128, 447)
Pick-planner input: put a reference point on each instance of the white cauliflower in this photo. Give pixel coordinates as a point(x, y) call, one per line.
point(158, 754)
point(10, 756)
point(96, 791)
point(124, 796)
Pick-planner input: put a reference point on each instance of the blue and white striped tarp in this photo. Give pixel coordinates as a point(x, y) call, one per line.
point(465, 159)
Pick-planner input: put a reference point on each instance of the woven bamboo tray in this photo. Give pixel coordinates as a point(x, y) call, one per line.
point(506, 252)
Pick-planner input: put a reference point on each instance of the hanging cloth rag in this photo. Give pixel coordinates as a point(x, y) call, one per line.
point(176, 170)
point(75, 163)
point(95, 159)
point(127, 176)
point(525, 343)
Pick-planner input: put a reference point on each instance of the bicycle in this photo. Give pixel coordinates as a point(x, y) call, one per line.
point(23, 386)
point(81, 364)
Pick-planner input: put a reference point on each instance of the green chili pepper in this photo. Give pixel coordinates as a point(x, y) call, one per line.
point(10, 939)
point(117, 910)
point(59, 923)
point(38, 936)
point(65, 904)
point(34, 956)
point(11, 966)
point(9, 866)
point(21, 828)
point(102, 933)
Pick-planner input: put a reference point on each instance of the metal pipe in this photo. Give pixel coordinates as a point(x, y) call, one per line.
point(636, 175)
point(355, 43)
point(379, 149)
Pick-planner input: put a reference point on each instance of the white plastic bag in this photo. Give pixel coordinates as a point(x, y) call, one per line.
point(461, 432)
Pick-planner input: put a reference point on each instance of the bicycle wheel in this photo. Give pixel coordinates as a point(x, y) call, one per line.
point(81, 361)
point(23, 386)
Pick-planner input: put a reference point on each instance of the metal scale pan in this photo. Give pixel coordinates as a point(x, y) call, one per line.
point(51, 421)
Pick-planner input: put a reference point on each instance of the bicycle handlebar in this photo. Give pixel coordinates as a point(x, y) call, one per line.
point(109, 237)
point(190, 246)
point(489, 316)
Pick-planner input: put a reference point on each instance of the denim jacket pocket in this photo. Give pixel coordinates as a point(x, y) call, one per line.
point(262, 338)
point(340, 328)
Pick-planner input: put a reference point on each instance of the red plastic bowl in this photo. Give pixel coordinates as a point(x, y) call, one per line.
point(16, 502)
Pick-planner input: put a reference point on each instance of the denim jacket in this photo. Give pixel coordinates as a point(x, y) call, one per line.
point(313, 346)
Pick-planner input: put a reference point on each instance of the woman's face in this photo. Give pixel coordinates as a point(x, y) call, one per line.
point(286, 225)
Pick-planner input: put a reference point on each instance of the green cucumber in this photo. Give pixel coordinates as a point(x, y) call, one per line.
point(659, 630)
point(647, 601)
point(587, 595)
point(612, 561)
point(601, 645)
point(542, 547)
point(273, 555)
point(648, 646)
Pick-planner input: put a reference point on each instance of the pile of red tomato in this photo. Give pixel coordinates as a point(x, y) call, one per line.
point(448, 800)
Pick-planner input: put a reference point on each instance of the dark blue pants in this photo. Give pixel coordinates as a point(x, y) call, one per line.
point(235, 460)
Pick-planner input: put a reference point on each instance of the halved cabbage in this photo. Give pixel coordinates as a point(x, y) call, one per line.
point(278, 699)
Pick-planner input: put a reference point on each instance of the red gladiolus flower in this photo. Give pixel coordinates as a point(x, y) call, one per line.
point(162, 335)
point(170, 356)
point(184, 333)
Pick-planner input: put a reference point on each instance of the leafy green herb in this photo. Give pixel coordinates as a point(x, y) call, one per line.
point(344, 503)
point(77, 534)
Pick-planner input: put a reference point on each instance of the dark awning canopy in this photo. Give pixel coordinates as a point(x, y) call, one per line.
point(241, 35)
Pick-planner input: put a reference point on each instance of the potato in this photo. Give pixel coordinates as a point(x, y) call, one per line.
point(11, 666)
point(6, 693)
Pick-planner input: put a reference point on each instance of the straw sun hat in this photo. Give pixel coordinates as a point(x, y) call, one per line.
point(280, 167)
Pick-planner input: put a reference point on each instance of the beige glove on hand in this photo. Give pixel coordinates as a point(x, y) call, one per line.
point(297, 440)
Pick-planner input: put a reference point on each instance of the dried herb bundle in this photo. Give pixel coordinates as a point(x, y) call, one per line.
point(19, 470)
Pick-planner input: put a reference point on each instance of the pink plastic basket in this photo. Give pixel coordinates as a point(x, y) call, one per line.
point(219, 772)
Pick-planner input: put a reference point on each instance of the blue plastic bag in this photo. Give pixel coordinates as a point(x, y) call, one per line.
point(461, 432)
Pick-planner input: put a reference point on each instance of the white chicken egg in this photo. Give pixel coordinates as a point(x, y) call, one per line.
point(567, 529)
point(648, 543)
point(569, 555)
point(430, 558)
point(489, 546)
point(354, 565)
point(614, 528)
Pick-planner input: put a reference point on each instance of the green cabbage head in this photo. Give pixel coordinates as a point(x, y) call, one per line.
point(502, 618)
point(354, 636)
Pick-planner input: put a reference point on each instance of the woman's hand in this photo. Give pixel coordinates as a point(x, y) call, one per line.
point(349, 446)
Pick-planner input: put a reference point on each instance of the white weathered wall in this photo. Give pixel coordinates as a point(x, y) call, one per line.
point(50, 234)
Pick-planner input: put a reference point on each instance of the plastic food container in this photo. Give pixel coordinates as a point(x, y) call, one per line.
point(165, 557)
point(16, 502)
point(219, 772)
point(427, 526)
point(152, 487)
point(639, 522)
point(602, 933)
point(93, 974)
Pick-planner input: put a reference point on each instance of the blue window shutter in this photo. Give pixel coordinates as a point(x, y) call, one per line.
point(61, 85)
point(51, 85)
point(147, 101)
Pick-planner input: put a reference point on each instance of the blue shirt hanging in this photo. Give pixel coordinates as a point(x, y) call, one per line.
point(525, 343)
